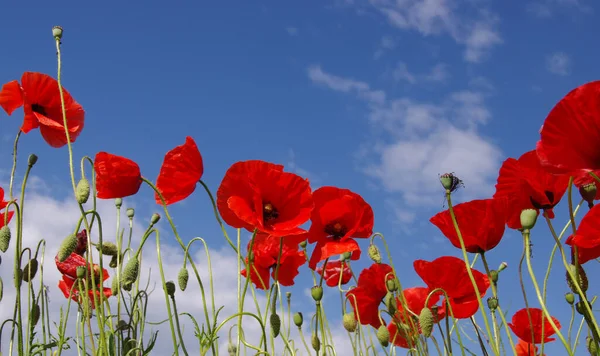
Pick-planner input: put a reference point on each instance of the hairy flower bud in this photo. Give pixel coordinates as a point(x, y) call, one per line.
point(298, 319)
point(374, 253)
point(114, 287)
point(4, 238)
point(182, 278)
point(130, 213)
point(581, 279)
point(30, 270)
point(275, 321)
point(317, 293)
point(383, 335)
point(108, 248)
point(34, 314)
point(316, 343)
point(170, 288)
point(67, 247)
point(426, 321)
point(390, 302)
point(130, 272)
point(528, 218)
point(32, 160)
point(349, 322)
point(83, 191)
point(570, 298)
point(492, 303)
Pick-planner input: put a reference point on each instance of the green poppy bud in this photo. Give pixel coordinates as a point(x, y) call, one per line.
point(275, 324)
point(82, 191)
point(349, 322)
point(426, 321)
point(298, 319)
point(383, 335)
point(30, 270)
point(4, 238)
point(67, 247)
point(182, 278)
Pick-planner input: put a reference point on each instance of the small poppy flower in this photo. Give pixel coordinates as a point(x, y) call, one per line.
point(40, 97)
point(116, 176)
point(68, 269)
point(521, 326)
point(181, 170)
point(526, 185)
point(260, 195)
point(523, 348)
point(66, 284)
point(450, 274)
point(481, 224)
point(570, 137)
point(5, 216)
point(335, 272)
point(366, 297)
point(340, 215)
point(587, 237)
point(266, 253)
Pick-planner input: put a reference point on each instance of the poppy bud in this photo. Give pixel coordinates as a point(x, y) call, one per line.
point(32, 160)
point(82, 193)
point(57, 32)
point(182, 278)
point(4, 238)
point(580, 307)
point(114, 287)
point(383, 335)
point(108, 248)
point(1, 289)
point(450, 182)
point(118, 202)
point(528, 218)
point(349, 322)
point(316, 343)
point(232, 349)
point(591, 345)
point(346, 256)
point(494, 276)
point(127, 287)
point(154, 219)
point(581, 276)
point(426, 321)
point(114, 261)
point(298, 319)
point(130, 272)
point(34, 314)
point(288, 296)
point(67, 247)
point(81, 271)
point(570, 298)
point(390, 302)
point(303, 244)
point(122, 325)
point(170, 288)
point(275, 324)
point(492, 303)
point(30, 270)
point(374, 253)
point(588, 192)
point(391, 285)
point(317, 293)
point(130, 213)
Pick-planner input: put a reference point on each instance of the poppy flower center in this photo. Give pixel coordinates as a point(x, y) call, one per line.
point(269, 212)
point(38, 109)
point(549, 196)
point(336, 230)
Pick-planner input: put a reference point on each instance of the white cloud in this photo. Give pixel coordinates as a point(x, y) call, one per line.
point(558, 63)
point(438, 73)
point(401, 73)
point(345, 85)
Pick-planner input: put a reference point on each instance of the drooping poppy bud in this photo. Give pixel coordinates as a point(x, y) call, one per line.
point(426, 321)
point(374, 253)
point(298, 319)
point(67, 247)
point(275, 321)
point(383, 335)
point(182, 278)
point(30, 270)
point(4, 238)
point(349, 322)
point(82, 191)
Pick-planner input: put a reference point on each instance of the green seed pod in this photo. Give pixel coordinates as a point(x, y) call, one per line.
point(182, 278)
point(118, 202)
point(275, 324)
point(81, 272)
point(32, 160)
point(570, 298)
point(30, 270)
point(288, 296)
point(170, 287)
point(580, 274)
point(374, 253)
point(492, 303)
point(349, 322)
point(108, 248)
point(35, 314)
point(4, 238)
point(114, 287)
point(494, 276)
point(528, 218)
point(131, 271)
point(383, 335)
point(316, 343)
point(298, 319)
point(317, 293)
point(68, 245)
point(57, 32)
point(82, 192)
point(588, 192)
point(154, 219)
point(130, 213)
point(426, 321)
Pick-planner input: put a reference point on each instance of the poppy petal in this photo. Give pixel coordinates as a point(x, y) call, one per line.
point(11, 97)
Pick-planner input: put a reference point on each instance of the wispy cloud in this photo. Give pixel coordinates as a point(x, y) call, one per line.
point(438, 73)
point(401, 73)
point(346, 85)
point(386, 43)
point(558, 63)
point(547, 8)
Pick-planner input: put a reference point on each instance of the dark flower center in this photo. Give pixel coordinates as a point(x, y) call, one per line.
point(549, 196)
point(270, 213)
point(39, 109)
point(336, 230)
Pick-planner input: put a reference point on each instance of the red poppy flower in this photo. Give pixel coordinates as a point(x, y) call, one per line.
point(481, 224)
point(523, 348)
point(450, 274)
point(340, 215)
point(527, 185)
point(68, 268)
point(66, 284)
point(181, 170)
point(266, 252)
point(369, 293)
point(570, 137)
point(522, 327)
point(260, 195)
point(116, 176)
point(39, 95)
point(6, 216)
point(334, 270)
point(587, 237)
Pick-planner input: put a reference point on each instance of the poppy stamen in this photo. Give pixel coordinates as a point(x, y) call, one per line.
point(269, 212)
point(336, 230)
point(38, 109)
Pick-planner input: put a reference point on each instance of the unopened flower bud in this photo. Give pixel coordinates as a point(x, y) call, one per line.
point(114, 261)
point(170, 288)
point(383, 335)
point(232, 349)
point(316, 343)
point(317, 293)
point(182, 278)
point(114, 287)
point(30, 270)
point(82, 193)
point(303, 244)
point(108, 248)
point(35, 314)
point(81, 271)
point(130, 213)
point(298, 319)
point(591, 345)
point(494, 276)
point(67, 247)
point(581, 278)
point(130, 272)
point(528, 218)
point(391, 285)
point(32, 160)
point(588, 192)
point(275, 321)
point(4, 238)
point(154, 219)
point(492, 303)
point(390, 302)
point(374, 253)
point(426, 321)
point(57, 32)
point(570, 298)
point(349, 322)
point(118, 202)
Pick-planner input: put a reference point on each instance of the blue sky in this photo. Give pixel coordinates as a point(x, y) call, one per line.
point(376, 96)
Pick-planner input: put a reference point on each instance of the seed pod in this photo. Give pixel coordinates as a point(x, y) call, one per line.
point(81, 272)
point(298, 319)
point(30, 270)
point(492, 303)
point(82, 191)
point(528, 218)
point(67, 247)
point(275, 324)
point(182, 278)
point(317, 293)
point(349, 322)
point(570, 298)
point(494, 276)
point(154, 219)
point(118, 202)
point(303, 244)
point(426, 321)
point(4, 238)
point(32, 160)
point(130, 213)
point(383, 335)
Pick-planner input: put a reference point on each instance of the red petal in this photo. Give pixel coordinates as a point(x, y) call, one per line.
point(11, 97)
point(116, 176)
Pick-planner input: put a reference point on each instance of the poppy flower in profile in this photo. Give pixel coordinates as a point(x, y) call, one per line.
point(335, 272)
point(521, 326)
point(39, 95)
point(366, 297)
point(260, 195)
point(570, 137)
point(523, 348)
point(5, 217)
point(450, 274)
point(340, 215)
point(481, 224)
point(116, 176)
point(587, 237)
point(181, 170)
point(266, 252)
point(68, 269)
point(526, 185)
